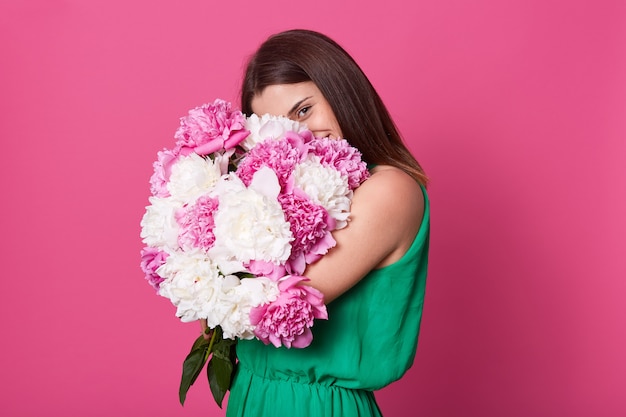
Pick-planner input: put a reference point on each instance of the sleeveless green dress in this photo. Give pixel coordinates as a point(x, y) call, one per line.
point(368, 341)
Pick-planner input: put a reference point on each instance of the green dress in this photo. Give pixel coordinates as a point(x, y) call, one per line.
point(368, 341)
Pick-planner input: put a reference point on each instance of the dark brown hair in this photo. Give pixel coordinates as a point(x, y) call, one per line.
point(300, 55)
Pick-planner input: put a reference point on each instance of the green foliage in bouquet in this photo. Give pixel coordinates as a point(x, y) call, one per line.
point(220, 368)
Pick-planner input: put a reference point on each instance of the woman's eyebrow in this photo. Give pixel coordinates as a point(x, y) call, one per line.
point(295, 106)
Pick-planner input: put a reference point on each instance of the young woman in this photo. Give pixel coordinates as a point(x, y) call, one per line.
point(374, 279)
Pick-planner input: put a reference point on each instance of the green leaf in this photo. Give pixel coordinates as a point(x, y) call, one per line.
point(192, 366)
point(221, 368)
point(199, 342)
point(242, 275)
point(218, 393)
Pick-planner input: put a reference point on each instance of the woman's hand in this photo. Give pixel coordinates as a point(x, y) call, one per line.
point(207, 334)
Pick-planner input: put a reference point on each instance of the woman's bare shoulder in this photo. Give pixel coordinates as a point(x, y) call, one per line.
point(391, 189)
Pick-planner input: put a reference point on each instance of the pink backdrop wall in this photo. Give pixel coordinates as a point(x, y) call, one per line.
point(516, 109)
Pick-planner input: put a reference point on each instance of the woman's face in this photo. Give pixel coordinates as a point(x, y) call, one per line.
point(302, 102)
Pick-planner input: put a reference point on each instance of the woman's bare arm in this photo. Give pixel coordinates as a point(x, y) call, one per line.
point(386, 213)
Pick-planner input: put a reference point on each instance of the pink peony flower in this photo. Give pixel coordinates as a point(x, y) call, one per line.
point(162, 171)
point(280, 155)
point(210, 128)
point(151, 260)
point(341, 156)
point(197, 224)
point(311, 226)
point(287, 320)
point(262, 268)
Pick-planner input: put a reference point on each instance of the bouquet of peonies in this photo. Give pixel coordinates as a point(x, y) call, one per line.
point(239, 207)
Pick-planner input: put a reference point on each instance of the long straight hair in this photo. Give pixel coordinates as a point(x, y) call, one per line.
point(299, 55)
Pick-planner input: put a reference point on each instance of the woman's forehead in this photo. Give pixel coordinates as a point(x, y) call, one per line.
point(279, 99)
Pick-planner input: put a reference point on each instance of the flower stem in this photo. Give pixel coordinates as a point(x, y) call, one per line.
point(211, 342)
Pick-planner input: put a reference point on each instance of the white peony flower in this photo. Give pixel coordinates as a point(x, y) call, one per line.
point(194, 285)
point(193, 176)
point(268, 126)
point(325, 186)
point(159, 228)
point(243, 296)
point(250, 225)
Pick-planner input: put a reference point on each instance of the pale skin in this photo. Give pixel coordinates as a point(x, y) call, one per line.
point(386, 209)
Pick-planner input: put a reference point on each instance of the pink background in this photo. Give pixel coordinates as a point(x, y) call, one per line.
point(516, 109)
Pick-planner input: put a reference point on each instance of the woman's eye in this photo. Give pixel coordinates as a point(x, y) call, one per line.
point(303, 111)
